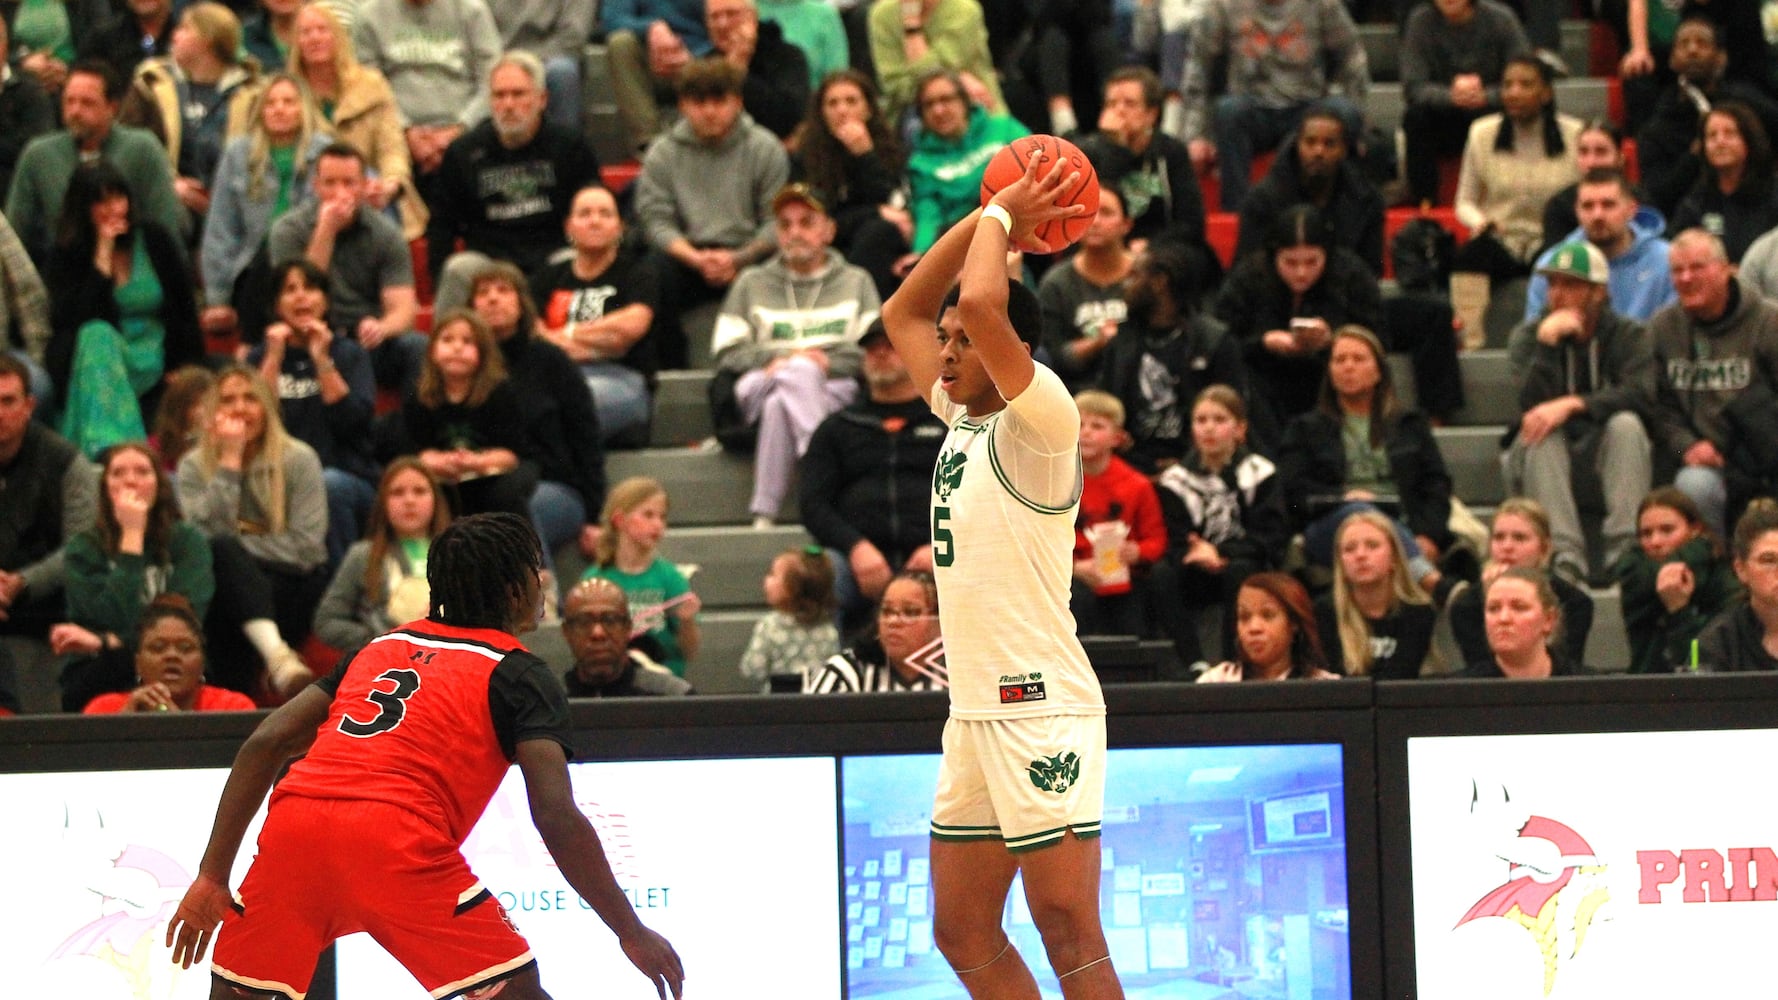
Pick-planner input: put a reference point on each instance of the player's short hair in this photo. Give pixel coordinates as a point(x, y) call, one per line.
point(1022, 310)
point(480, 568)
point(1099, 403)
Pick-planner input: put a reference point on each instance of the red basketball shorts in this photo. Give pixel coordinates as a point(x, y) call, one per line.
point(326, 869)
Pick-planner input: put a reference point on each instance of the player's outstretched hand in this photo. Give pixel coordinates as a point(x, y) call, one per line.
point(1031, 201)
point(658, 961)
point(194, 923)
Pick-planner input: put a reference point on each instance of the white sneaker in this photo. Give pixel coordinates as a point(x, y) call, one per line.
point(762, 523)
point(287, 674)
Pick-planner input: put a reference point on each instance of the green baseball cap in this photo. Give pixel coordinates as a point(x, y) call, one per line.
point(1578, 259)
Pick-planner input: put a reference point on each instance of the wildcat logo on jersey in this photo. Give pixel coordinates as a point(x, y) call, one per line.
point(948, 474)
point(1055, 774)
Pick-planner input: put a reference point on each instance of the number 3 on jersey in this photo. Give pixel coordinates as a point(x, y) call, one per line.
point(941, 537)
point(391, 705)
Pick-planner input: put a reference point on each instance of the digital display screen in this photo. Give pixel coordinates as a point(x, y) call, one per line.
point(97, 863)
point(1593, 864)
point(734, 861)
point(1189, 908)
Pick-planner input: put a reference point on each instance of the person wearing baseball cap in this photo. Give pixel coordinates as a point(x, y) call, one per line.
point(786, 346)
point(1581, 370)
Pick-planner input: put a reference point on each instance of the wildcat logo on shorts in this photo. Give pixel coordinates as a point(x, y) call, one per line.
point(1055, 774)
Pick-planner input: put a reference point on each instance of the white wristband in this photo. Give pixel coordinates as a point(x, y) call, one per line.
point(999, 214)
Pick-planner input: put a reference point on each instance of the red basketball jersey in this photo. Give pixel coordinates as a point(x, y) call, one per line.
point(426, 718)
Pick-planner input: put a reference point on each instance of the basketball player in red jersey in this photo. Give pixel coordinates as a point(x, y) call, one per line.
point(405, 744)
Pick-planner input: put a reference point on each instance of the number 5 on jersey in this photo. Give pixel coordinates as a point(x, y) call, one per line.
point(391, 705)
point(942, 553)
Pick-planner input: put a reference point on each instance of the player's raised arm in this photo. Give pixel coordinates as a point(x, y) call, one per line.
point(574, 845)
point(910, 317)
point(1010, 220)
point(282, 735)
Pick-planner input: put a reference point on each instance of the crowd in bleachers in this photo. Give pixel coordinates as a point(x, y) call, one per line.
point(289, 283)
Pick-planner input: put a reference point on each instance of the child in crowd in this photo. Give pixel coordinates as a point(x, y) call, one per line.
point(381, 582)
point(1377, 621)
point(463, 420)
point(1120, 536)
point(1520, 537)
point(1275, 634)
point(1223, 507)
point(662, 602)
point(798, 634)
point(1672, 582)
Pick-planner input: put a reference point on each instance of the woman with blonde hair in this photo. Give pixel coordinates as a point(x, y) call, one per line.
point(195, 98)
point(259, 495)
point(1377, 620)
point(263, 174)
point(357, 105)
point(1520, 537)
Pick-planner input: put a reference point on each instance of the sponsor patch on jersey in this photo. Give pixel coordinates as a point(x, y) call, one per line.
point(1018, 693)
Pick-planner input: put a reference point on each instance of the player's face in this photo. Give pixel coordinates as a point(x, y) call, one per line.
point(1759, 571)
point(130, 473)
point(410, 504)
point(1353, 368)
point(1515, 542)
point(1263, 629)
point(1516, 619)
point(1300, 267)
point(593, 221)
point(1365, 554)
point(170, 653)
point(1099, 436)
point(1660, 530)
point(497, 303)
point(236, 398)
point(455, 353)
point(646, 522)
point(960, 371)
point(596, 625)
point(906, 622)
point(1215, 430)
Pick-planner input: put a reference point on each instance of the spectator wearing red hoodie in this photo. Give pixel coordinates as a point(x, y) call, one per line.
point(1120, 536)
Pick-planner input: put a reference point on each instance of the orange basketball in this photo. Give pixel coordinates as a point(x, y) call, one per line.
point(1008, 165)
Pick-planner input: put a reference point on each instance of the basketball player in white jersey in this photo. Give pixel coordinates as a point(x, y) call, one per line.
point(1021, 788)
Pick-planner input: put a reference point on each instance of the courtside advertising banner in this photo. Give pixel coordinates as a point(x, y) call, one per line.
point(1593, 865)
point(96, 863)
point(734, 861)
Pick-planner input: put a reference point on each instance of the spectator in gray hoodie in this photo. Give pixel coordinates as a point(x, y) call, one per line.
point(705, 197)
point(436, 55)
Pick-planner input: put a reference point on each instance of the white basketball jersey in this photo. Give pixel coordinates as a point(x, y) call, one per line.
point(1005, 495)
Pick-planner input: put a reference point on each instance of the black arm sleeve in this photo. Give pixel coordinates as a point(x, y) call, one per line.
point(527, 704)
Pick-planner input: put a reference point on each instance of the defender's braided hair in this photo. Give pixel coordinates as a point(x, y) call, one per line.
point(480, 568)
